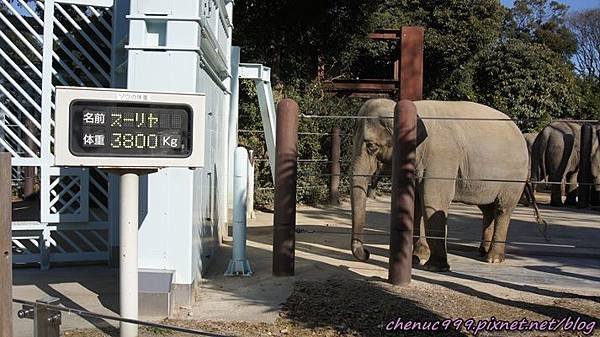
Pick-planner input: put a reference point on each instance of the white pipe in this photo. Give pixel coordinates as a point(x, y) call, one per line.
point(240, 176)
point(250, 198)
point(239, 265)
point(233, 117)
point(128, 273)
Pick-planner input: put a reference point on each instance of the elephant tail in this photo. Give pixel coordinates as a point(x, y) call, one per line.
point(542, 224)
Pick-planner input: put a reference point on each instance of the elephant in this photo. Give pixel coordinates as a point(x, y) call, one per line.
point(471, 151)
point(555, 158)
point(530, 139)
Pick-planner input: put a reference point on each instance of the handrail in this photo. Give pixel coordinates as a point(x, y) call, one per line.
point(119, 319)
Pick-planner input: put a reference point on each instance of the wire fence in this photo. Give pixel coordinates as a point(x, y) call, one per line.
point(515, 120)
point(301, 230)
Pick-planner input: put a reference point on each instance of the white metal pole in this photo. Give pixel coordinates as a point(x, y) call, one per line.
point(128, 276)
point(239, 265)
point(233, 117)
point(250, 197)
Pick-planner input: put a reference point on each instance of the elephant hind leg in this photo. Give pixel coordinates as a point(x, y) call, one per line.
point(488, 228)
point(497, 248)
point(556, 192)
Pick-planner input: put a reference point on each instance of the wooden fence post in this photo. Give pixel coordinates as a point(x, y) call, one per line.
point(5, 247)
point(336, 170)
point(286, 169)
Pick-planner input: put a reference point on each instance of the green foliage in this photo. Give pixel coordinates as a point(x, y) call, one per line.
point(543, 22)
point(589, 90)
point(312, 185)
point(526, 81)
point(517, 61)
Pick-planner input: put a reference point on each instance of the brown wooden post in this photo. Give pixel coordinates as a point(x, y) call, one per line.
point(584, 178)
point(403, 192)
point(5, 247)
point(411, 63)
point(286, 167)
point(336, 170)
point(595, 197)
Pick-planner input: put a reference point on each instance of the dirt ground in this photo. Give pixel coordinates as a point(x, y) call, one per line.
point(545, 277)
point(365, 307)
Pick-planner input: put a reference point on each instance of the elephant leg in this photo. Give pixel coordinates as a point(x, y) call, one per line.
point(436, 201)
point(571, 189)
point(502, 220)
point(435, 229)
point(488, 228)
point(421, 251)
point(556, 193)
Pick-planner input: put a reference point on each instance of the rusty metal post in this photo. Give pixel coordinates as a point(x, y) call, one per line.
point(411, 63)
point(336, 170)
point(403, 192)
point(584, 178)
point(5, 247)
point(286, 167)
point(595, 198)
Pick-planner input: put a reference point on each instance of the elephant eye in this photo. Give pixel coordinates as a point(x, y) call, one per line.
point(372, 147)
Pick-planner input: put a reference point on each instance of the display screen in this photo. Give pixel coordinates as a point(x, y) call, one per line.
point(127, 129)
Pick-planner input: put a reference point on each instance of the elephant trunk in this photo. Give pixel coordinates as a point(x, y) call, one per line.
point(360, 183)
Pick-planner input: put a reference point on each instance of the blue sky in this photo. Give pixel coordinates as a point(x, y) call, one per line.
point(574, 4)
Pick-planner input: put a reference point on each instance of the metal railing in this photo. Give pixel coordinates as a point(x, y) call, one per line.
point(46, 315)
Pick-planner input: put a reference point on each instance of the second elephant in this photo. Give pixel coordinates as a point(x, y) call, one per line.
point(555, 157)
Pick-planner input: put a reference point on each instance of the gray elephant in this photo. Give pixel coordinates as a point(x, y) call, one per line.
point(555, 158)
point(526, 198)
point(471, 151)
point(530, 139)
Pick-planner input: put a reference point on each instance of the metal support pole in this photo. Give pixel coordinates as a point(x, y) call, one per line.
point(5, 247)
point(128, 273)
point(403, 192)
point(411, 67)
point(286, 167)
point(334, 185)
point(239, 265)
point(232, 137)
point(584, 178)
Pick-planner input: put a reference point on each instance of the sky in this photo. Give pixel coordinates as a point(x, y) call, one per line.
point(574, 4)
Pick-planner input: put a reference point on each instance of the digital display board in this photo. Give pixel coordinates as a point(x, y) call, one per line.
point(126, 129)
point(101, 128)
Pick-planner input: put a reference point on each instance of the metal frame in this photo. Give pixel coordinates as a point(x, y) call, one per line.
point(74, 223)
point(261, 76)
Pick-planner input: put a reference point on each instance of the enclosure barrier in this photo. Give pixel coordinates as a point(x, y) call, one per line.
point(395, 276)
point(334, 184)
point(5, 246)
point(47, 318)
point(402, 217)
point(286, 167)
point(584, 177)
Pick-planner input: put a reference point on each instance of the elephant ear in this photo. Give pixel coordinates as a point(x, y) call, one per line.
point(388, 125)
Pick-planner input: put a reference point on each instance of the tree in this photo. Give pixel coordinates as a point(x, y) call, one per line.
point(543, 22)
point(455, 31)
point(526, 81)
point(586, 28)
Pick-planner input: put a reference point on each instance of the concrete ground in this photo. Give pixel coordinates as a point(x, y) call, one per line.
point(565, 263)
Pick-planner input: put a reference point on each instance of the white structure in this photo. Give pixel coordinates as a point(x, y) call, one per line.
point(146, 45)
